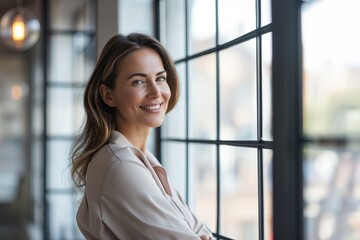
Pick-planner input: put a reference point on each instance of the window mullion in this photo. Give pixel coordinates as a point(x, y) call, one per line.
point(218, 170)
point(287, 163)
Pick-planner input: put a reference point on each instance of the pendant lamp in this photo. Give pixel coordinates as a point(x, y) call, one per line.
point(19, 29)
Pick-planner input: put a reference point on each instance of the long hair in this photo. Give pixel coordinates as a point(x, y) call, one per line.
point(99, 117)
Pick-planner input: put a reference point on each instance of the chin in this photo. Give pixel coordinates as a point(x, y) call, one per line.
point(156, 125)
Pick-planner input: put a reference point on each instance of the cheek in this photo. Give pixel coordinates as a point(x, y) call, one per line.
point(125, 102)
point(131, 96)
point(167, 92)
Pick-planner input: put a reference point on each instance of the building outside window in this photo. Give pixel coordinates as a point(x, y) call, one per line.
point(331, 116)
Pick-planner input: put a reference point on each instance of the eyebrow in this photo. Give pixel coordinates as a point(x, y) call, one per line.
point(144, 75)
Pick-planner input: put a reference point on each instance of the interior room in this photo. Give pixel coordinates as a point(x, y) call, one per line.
point(263, 144)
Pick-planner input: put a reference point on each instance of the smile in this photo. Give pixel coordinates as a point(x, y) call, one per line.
point(153, 107)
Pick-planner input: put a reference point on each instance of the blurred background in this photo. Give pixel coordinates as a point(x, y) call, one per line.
point(217, 145)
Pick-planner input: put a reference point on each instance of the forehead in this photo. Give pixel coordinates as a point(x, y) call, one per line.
point(144, 60)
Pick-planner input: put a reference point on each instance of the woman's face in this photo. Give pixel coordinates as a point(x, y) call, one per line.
point(141, 93)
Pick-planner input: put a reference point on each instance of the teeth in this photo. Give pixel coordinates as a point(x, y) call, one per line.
point(152, 107)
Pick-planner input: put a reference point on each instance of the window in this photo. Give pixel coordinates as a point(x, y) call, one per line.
point(217, 143)
point(331, 116)
point(255, 130)
point(316, 143)
point(70, 58)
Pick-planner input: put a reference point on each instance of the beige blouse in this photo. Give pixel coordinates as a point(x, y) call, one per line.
point(128, 196)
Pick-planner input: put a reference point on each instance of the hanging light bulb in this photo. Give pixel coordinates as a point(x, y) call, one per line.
point(20, 30)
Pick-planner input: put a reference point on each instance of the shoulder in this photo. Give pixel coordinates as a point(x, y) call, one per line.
point(113, 153)
point(109, 168)
point(109, 158)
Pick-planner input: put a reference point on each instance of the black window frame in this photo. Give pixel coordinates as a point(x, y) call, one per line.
point(259, 143)
point(287, 120)
point(49, 138)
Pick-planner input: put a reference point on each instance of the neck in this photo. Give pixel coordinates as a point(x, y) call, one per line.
point(137, 137)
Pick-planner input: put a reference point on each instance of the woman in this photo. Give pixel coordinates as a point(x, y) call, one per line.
point(127, 193)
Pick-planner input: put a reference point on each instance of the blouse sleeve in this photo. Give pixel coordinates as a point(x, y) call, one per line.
point(133, 207)
point(198, 227)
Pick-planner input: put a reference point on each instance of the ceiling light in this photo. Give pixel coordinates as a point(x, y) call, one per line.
point(20, 30)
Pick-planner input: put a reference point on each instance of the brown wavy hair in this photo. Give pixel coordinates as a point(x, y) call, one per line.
point(99, 117)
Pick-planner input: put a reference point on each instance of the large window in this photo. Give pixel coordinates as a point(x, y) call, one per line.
point(331, 88)
point(217, 142)
point(268, 118)
point(70, 58)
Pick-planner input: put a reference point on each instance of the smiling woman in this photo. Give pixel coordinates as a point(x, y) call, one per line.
point(140, 95)
point(127, 193)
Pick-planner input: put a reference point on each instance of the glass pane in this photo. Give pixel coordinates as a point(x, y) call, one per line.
point(332, 192)
point(265, 12)
point(268, 193)
point(65, 111)
point(14, 132)
point(202, 97)
point(37, 179)
point(201, 25)
point(84, 55)
point(175, 121)
point(61, 62)
point(174, 161)
point(236, 18)
point(37, 124)
point(331, 68)
point(239, 193)
point(202, 183)
point(144, 20)
point(238, 92)
point(37, 101)
point(72, 15)
point(172, 27)
point(58, 168)
point(152, 142)
point(266, 86)
point(72, 58)
point(62, 217)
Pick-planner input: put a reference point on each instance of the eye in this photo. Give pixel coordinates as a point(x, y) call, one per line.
point(161, 79)
point(137, 82)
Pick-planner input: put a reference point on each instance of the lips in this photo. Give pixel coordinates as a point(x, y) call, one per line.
point(151, 107)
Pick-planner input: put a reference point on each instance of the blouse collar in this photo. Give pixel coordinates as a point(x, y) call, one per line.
point(119, 139)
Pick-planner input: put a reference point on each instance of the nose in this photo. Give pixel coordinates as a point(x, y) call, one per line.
point(153, 90)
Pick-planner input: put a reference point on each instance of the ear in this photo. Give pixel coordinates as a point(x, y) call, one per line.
point(106, 95)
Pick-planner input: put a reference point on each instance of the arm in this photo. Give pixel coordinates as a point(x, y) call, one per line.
point(133, 207)
point(200, 229)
